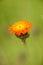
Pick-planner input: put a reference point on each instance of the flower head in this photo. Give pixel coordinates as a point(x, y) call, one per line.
point(20, 27)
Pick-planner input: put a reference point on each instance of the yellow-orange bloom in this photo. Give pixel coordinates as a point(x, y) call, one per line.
point(20, 27)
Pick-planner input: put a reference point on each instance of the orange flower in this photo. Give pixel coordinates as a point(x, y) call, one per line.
point(21, 27)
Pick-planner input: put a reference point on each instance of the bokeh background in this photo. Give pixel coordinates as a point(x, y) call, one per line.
point(12, 11)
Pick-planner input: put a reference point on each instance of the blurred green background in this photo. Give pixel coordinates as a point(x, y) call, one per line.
point(10, 46)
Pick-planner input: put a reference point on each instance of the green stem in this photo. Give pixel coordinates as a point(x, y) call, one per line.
point(24, 40)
